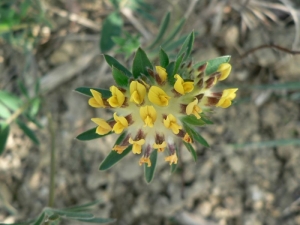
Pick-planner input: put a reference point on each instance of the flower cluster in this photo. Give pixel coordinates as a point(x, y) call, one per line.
point(151, 109)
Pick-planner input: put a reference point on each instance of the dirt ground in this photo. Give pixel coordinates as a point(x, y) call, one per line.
point(232, 183)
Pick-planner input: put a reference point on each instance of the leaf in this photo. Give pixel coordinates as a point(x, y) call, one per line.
point(213, 64)
point(187, 46)
point(98, 220)
point(178, 63)
point(170, 69)
point(34, 120)
point(11, 101)
point(113, 62)
point(4, 112)
point(174, 44)
point(83, 206)
point(40, 219)
point(140, 64)
point(28, 132)
point(162, 30)
point(207, 121)
point(90, 135)
point(149, 171)
point(163, 58)
point(174, 32)
point(113, 157)
point(4, 132)
point(35, 106)
point(195, 135)
point(191, 119)
point(112, 26)
point(86, 91)
point(23, 88)
point(268, 144)
point(120, 78)
point(191, 150)
point(69, 214)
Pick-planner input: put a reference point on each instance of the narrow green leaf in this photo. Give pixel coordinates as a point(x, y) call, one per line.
point(35, 106)
point(113, 157)
point(90, 135)
point(11, 101)
point(23, 88)
point(174, 44)
point(34, 120)
point(40, 219)
point(97, 220)
point(4, 132)
point(170, 70)
point(140, 64)
point(120, 78)
point(149, 171)
point(86, 91)
point(191, 150)
point(191, 119)
point(213, 64)
point(69, 214)
point(187, 46)
point(37, 87)
point(4, 112)
point(207, 121)
point(163, 58)
point(111, 61)
point(83, 206)
point(178, 63)
point(112, 26)
point(195, 135)
point(268, 144)
point(27, 131)
point(173, 33)
point(162, 30)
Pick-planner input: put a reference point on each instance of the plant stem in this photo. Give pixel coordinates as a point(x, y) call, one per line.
point(17, 113)
point(52, 163)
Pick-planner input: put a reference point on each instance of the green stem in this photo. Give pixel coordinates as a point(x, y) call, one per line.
point(52, 163)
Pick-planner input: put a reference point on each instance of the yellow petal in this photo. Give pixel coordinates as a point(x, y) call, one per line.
point(171, 123)
point(160, 147)
point(137, 92)
point(193, 108)
point(162, 73)
point(119, 148)
point(187, 138)
point(157, 96)
point(103, 126)
point(145, 160)
point(137, 145)
point(183, 87)
point(224, 69)
point(172, 159)
point(227, 96)
point(120, 125)
point(117, 99)
point(148, 115)
point(96, 101)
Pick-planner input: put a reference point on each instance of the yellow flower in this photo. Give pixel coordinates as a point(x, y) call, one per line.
point(137, 145)
point(181, 86)
point(157, 96)
point(103, 126)
point(227, 96)
point(162, 73)
point(172, 159)
point(160, 147)
point(96, 101)
point(171, 123)
point(137, 92)
point(187, 138)
point(120, 125)
point(224, 69)
point(119, 148)
point(148, 115)
point(193, 108)
point(117, 99)
point(145, 160)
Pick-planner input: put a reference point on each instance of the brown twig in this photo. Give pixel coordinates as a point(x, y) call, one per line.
point(270, 46)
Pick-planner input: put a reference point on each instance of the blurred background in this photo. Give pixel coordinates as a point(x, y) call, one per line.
point(251, 172)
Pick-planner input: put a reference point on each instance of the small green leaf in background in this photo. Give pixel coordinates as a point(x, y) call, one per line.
point(112, 26)
point(163, 58)
point(162, 30)
point(113, 157)
point(213, 64)
point(191, 119)
point(149, 171)
point(86, 91)
point(195, 135)
point(97, 220)
point(191, 150)
point(173, 33)
point(113, 62)
point(69, 214)
point(187, 46)
point(23, 88)
point(82, 207)
point(4, 132)
point(40, 219)
point(28, 132)
point(140, 63)
point(127, 45)
point(4, 112)
point(90, 135)
point(11, 101)
point(120, 78)
point(34, 107)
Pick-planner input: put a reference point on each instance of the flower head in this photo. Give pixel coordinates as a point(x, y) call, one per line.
point(156, 109)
